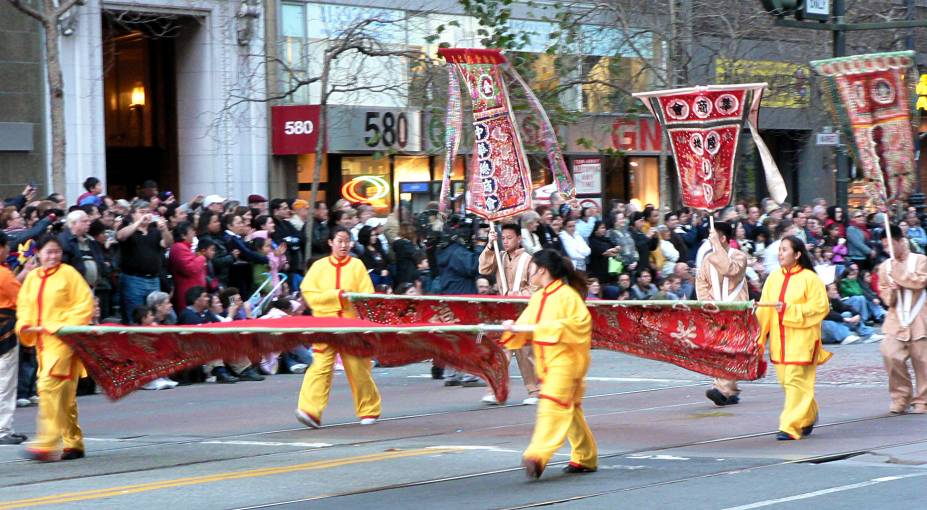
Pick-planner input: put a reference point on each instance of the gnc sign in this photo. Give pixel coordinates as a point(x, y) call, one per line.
point(295, 128)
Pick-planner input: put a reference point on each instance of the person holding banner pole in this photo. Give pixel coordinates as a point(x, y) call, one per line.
point(902, 282)
point(722, 277)
point(511, 270)
point(792, 331)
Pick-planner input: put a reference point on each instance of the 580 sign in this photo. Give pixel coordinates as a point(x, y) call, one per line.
point(389, 130)
point(298, 127)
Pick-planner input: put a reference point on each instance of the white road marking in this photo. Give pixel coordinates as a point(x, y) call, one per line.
point(656, 457)
point(824, 492)
point(472, 447)
point(593, 378)
point(269, 443)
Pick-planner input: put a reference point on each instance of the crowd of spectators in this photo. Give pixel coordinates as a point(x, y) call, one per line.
point(156, 260)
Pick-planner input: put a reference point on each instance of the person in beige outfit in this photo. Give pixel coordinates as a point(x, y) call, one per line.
point(722, 277)
point(513, 281)
point(901, 286)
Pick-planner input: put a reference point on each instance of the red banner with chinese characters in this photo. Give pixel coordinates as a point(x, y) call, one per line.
point(717, 343)
point(500, 179)
point(704, 126)
point(122, 359)
point(868, 97)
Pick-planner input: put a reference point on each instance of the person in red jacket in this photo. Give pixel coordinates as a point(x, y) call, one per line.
point(188, 268)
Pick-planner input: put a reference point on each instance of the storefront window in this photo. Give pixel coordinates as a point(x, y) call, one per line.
point(457, 171)
point(409, 169)
point(305, 165)
point(645, 181)
point(361, 167)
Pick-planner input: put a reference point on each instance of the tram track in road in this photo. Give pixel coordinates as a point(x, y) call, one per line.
point(201, 440)
point(434, 481)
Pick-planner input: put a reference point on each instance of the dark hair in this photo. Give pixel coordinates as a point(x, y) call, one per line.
point(798, 246)
point(90, 182)
point(561, 267)
point(365, 236)
point(320, 203)
point(638, 215)
point(404, 287)
point(225, 221)
point(203, 243)
point(332, 233)
point(669, 215)
point(96, 228)
point(282, 304)
point(149, 184)
point(894, 229)
point(598, 223)
point(258, 243)
point(181, 230)
point(4, 239)
point(87, 208)
point(724, 228)
point(257, 223)
point(139, 313)
point(513, 227)
point(225, 296)
point(202, 225)
point(44, 239)
point(783, 225)
point(276, 204)
point(193, 293)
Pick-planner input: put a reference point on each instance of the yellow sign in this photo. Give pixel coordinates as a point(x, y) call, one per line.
point(789, 84)
point(922, 93)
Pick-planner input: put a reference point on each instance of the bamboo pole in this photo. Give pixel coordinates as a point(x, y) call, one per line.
point(497, 249)
point(437, 328)
point(719, 305)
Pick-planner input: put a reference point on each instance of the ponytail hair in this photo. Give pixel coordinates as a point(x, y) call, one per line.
point(798, 246)
point(561, 268)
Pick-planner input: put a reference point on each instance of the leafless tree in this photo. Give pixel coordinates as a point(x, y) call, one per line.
point(49, 14)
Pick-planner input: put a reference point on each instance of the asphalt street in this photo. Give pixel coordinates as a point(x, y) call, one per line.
point(661, 443)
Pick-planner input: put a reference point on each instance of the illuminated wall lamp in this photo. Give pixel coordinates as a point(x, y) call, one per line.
point(137, 98)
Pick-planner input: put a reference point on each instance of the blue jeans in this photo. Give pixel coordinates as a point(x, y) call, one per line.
point(134, 291)
point(866, 309)
point(834, 332)
point(299, 354)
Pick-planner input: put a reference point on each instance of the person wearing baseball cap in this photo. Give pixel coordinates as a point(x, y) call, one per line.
point(213, 203)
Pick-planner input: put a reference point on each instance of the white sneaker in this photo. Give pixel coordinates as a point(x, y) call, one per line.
point(490, 399)
point(307, 420)
point(368, 421)
point(530, 401)
point(851, 339)
point(23, 402)
point(34, 399)
point(298, 368)
point(170, 382)
point(874, 339)
point(153, 385)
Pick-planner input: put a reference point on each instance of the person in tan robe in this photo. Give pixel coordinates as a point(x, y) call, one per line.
point(512, 281)
point(902, 283)
point(722, 277)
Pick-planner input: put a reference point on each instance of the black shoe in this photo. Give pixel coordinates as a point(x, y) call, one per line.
point(473, 383)
point(452, 382)
point(223, 376)
point(733, 399)
point(717, 397)
point(249, 374)
point(577, 468)
point(12, 439)
point(437, 372)
point(784, 436)
point(805, 432)
point(72, 454)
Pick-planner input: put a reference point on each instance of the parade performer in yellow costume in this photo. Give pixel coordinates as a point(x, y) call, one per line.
point(793, 327)
point(52, 296)
point(323, 289)
point(562, 340)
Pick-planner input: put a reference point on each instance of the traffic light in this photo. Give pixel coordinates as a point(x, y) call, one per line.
point(781, 7)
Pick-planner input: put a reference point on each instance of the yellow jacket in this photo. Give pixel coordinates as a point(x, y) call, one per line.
point(795, 333)
point(51, 299)
point(562, 338)
point(325, 281)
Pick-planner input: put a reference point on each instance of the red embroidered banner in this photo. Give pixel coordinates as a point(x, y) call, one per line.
point(704, 126)
point(500, 179)
point(867, 96)
point(122, 359)
point(718, 343)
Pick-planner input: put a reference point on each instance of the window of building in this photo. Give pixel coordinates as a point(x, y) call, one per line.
point(409, 169)
point(645, 180)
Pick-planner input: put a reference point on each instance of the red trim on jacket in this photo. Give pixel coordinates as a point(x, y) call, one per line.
point(556, 400)
point(338, 264)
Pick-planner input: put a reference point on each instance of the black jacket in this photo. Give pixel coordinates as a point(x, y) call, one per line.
point(458, 269)
point(71, 254)
point(598, 263)
point(295, 240)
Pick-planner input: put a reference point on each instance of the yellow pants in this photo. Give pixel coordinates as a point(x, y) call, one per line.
point(560, 417)
point(800, 409)
point(57, 418)
point(317, 383)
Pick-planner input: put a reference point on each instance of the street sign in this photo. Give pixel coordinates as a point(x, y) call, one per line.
point(828, 139)
point(816, 9)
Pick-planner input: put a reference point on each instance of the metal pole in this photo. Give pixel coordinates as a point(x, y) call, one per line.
point(843, 159)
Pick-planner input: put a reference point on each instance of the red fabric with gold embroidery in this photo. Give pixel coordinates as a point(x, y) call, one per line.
point(710, 342)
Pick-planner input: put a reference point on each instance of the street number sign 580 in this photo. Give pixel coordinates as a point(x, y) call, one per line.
point(298, 127)
point(392, 130)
